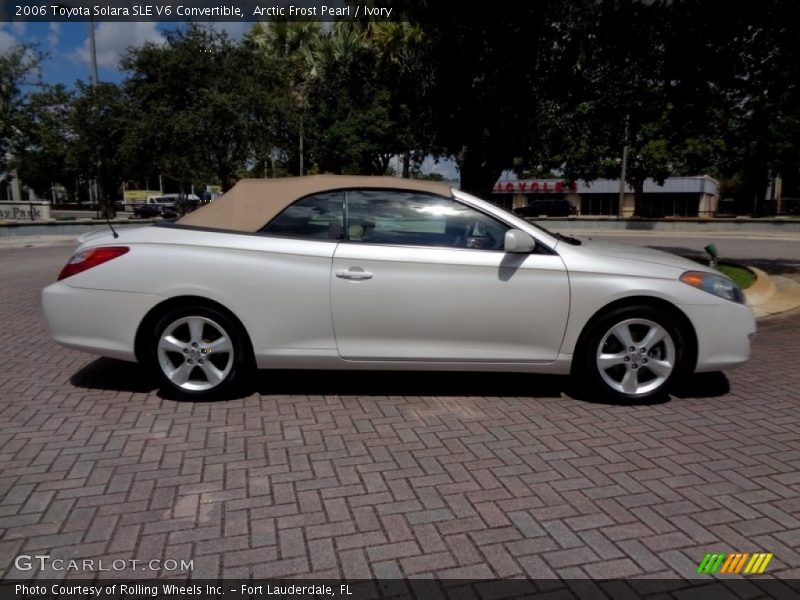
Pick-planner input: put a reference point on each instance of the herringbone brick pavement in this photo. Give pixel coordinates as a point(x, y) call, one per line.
point(386, 475)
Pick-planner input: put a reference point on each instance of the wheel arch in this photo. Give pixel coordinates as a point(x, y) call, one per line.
point(154, 314)
point(681, 319)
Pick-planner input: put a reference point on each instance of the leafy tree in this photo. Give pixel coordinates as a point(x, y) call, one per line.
point(401, 48)
point(102, 145)
point(623, 98)
point(47, 156)
point(763, 100)
point(288, 39)
point(701, 94)
point(207, 105)
point(498, 87)
point(353, 128)
point(349, 85)
point(19, 67)
point(293, 45)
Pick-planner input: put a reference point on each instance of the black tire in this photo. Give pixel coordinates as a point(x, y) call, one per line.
point(647, 368)
point(233, 365)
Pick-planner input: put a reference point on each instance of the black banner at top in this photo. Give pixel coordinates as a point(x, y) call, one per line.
point(193, 10)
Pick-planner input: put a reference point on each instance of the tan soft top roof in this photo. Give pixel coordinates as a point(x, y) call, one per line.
point(252, 203)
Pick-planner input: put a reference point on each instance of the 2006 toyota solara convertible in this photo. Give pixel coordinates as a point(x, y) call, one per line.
point(332, 272)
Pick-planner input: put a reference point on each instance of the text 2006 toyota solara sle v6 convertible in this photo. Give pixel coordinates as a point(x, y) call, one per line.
point(331, 272)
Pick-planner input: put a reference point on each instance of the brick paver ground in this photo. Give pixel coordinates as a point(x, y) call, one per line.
point(362, 475)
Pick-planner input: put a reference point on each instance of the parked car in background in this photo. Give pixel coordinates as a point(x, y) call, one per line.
point(143, 210)
point(789, 206)
point(332, 272)
point(165, 206)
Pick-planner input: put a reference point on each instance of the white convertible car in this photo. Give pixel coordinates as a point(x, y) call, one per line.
point(331, 272)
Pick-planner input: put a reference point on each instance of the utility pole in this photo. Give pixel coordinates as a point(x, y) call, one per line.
point(301, 146)
point(93, 58)
point(93, 50)
point(624, 172)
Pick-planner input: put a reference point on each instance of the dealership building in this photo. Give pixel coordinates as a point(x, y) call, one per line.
point(677, 197)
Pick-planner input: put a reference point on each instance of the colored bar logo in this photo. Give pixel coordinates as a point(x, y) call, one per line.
point(733, 564)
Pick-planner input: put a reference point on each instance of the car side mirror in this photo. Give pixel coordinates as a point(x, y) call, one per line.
point(518, 242)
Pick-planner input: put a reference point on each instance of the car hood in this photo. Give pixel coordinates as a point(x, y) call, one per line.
point(647, 255)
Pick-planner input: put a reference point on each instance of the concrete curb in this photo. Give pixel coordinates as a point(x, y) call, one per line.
point(762, 290)
point(772, 294)
point(61, 228)
point(786, 298)
point(38, 241)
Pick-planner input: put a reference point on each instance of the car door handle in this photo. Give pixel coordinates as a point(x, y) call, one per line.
point(354, 274)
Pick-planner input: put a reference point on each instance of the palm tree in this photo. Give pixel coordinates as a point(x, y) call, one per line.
point(397, 48)
point(399, 44)
point(283, 38)
point(292, 41)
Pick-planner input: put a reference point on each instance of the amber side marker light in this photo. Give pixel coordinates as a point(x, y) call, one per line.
point(83, 261)
point(693, 278)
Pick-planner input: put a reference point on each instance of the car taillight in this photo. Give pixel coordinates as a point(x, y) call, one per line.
point(82, 261)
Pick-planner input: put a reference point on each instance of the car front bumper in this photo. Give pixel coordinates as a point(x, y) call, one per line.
point(724, 332)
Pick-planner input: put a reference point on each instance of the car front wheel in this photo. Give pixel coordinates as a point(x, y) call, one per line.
point(199, 352)
point(633, 354)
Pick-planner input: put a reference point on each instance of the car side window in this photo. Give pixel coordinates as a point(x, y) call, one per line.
point(419, 219)
point(315, 217)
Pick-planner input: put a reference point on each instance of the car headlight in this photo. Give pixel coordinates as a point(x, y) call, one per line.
point(719, 285)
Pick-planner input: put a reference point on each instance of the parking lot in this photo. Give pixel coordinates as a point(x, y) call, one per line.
point(362, 475)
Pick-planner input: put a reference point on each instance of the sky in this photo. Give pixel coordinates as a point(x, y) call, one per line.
point(67, 45)
point(67, 48)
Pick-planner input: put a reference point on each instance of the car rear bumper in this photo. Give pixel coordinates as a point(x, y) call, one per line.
point(724, 334)
point(96, 321)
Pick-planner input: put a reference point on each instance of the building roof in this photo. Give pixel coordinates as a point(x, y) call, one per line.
point(252, 203)
point(701, 184)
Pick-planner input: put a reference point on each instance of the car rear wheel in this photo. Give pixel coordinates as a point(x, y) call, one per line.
point(633, 354)
point(199, 352)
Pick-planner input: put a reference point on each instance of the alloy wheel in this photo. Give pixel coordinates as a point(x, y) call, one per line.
point(636, 356)
point(195, 353)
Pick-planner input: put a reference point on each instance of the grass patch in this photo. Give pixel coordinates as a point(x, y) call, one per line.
point(742, 276)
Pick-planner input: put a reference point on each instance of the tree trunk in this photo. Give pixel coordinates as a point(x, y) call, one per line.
point(181, 203)
point(757, 184)
point(225, 176)
point(105, 203)
point(639, 208)
point(107, 208)
point(407, 164)
point(478, 173)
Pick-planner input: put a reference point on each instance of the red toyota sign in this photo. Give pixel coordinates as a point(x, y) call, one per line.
point(534, 186)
